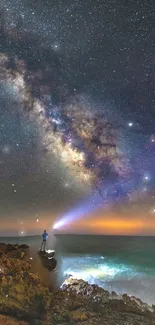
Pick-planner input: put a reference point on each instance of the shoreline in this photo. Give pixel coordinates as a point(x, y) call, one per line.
point(27, 300)
point(133, 281)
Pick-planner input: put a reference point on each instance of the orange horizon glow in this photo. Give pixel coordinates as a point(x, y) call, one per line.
point(108, 224)
point(116, 226)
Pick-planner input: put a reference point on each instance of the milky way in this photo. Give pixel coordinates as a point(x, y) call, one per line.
point(80, 137)
point(77, 104)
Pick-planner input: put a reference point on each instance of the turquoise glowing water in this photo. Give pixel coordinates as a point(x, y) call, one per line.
point(122, 264)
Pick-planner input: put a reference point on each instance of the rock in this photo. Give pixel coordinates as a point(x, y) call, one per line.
point(14, 251)
point(79, 316)
point(26, 300)
point(47, 259)
point(21, 292)
point(5, 320)
point(23, 246)
point(101, 300)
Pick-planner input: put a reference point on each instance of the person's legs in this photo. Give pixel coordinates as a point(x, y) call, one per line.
point(41, 245)
point(44, 244)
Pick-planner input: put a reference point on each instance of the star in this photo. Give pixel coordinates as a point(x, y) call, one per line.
point(152, 139)
point(6, 149)
point(147, 177)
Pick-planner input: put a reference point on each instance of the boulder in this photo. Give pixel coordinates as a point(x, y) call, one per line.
point(47, 259)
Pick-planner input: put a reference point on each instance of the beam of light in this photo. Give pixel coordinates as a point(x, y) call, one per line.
point(84, 208)
point(74, 214)
point(103, 198)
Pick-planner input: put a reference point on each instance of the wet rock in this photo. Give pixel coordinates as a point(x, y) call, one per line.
point(47, 259)
point(102, 301)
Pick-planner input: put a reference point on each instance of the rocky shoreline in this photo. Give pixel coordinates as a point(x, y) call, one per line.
point(26, 300)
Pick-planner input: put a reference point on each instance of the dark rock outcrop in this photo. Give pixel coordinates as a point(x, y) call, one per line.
point(47, 259)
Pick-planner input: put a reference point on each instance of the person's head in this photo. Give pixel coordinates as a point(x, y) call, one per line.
point(44, 230)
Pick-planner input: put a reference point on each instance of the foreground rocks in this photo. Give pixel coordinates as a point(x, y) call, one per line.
point(22, 295)
point(25, 300)
point(47, 259)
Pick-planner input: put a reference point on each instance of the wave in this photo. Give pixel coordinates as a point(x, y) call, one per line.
point(111, 276)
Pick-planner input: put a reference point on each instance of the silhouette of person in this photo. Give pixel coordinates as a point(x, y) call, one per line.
point(44, 237)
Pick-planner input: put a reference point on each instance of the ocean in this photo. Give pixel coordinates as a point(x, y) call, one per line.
point(116, 263)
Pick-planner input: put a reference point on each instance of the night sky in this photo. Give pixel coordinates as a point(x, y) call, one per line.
point(77, 97)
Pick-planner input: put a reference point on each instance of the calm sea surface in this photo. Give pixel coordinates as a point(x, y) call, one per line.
point(122, 264)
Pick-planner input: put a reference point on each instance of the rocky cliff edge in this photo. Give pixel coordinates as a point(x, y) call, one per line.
point(26, 300)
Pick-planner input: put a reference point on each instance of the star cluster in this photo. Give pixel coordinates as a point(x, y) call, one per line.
point(77, 99)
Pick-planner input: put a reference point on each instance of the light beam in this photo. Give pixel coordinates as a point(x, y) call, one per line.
point(111, 194)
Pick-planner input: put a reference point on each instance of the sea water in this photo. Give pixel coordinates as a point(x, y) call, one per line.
point(116, 263)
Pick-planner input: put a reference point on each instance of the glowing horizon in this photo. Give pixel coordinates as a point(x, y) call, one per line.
point(112, 227)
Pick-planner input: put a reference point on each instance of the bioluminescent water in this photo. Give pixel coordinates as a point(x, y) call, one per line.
point(112, 276)
point(116, 263)
point(95, 269)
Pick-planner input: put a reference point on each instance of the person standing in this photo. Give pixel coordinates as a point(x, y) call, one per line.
point(44, 237)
